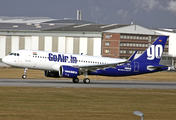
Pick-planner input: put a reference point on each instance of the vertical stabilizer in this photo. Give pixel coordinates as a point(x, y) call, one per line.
point(154, 52)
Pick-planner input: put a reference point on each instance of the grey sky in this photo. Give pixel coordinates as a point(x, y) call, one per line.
point(147, 13)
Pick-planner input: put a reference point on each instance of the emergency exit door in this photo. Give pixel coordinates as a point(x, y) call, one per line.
point(28, 56)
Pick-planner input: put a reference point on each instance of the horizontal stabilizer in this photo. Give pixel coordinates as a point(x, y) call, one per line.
point(154, 67)
point(158, 67)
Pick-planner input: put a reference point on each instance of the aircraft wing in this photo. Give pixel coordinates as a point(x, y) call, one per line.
point(103, 66)
point(99, 66)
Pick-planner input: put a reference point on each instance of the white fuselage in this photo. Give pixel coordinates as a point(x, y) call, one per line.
point(42, 60)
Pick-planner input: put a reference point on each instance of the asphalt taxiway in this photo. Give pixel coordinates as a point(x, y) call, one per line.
point(60, 83)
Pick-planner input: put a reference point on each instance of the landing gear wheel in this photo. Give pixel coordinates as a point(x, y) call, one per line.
point(25, 71)
point(75, 80)
point(24, 76)
point(86, 80)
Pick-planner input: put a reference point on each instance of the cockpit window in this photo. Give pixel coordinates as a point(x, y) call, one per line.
point(15, 54)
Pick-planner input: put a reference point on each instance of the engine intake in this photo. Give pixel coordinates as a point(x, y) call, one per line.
point(68, 71)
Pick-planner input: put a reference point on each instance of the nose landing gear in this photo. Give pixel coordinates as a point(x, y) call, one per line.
point(25, 71)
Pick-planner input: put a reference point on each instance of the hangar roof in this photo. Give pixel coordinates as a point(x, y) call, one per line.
point(48, 25)
point(86, 27)
point(69, 21)
point(6, 19)
point(29, 26)
point(133, 29)
point(166, 30)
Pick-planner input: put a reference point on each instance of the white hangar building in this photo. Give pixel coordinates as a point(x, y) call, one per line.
point(47, 34)
point(172, 39)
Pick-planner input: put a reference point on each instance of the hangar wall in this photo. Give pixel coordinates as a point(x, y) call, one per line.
point(73, 45)
point(2, 46)
point(172, 41)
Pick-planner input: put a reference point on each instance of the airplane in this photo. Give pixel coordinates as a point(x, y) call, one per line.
point(59, 65)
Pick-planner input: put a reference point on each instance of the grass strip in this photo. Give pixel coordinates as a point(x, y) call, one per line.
point(20, 103)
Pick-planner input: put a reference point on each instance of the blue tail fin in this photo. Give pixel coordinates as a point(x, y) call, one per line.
point(154, 52)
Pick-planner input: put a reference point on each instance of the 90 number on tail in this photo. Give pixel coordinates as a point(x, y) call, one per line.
point(154, 52)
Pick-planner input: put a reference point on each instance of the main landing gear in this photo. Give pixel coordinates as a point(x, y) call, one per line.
point(75, 80)
point(25, 71)
point(85, 80)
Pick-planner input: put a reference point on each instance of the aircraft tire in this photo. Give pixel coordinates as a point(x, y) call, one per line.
point(75, 80)
point(86, 80)
point(24, 76)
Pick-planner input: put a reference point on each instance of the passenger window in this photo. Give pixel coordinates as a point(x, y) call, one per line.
point(14, 54)
point(18, 54)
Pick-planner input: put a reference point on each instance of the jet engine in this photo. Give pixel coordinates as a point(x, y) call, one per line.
point(69, 72)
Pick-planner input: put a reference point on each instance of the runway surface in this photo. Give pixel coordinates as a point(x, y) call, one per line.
point(93, 84)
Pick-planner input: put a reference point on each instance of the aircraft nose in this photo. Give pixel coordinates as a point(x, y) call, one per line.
point(4, 59)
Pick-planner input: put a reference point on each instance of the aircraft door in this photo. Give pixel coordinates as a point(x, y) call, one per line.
point(28, 56)
point(136, 67)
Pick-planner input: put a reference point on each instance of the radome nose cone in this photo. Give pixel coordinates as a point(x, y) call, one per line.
point(4, 59)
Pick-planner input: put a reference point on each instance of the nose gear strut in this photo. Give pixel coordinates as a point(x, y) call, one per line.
point(25, 71)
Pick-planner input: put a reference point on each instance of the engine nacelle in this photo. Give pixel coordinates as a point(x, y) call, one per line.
point(51, 74)
point(68, 71)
